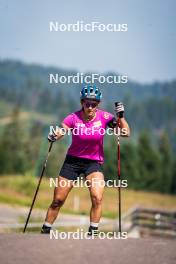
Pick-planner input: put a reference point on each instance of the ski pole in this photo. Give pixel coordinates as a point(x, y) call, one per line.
point(118, 170)
point(40, 179)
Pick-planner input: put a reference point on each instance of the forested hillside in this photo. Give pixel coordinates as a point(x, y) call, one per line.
point(29, 104)
point(147, 106)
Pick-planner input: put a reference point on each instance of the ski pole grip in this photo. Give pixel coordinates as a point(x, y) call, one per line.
point(116, 104)
point(118, 119)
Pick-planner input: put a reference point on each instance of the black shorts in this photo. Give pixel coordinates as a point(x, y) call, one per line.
point(74, 166)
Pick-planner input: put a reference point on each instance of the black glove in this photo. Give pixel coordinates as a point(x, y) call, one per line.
point(112, 123)
point(52, 137)
point(119, 109)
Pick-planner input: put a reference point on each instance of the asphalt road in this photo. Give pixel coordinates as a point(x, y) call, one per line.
point(31, 249)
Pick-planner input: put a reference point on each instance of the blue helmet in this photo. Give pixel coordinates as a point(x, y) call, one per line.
point(90, 92)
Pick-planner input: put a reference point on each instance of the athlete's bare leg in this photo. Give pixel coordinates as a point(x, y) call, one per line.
point(60, 194)
point(96, 194)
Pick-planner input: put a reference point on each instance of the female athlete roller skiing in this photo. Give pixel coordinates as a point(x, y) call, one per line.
point(85, 155)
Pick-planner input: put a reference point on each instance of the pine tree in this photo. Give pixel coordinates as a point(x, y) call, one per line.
point(13, 156)
point(129, 165)
point(148, 164)
point(110, 164)
point(173, 179)
point(166, 163)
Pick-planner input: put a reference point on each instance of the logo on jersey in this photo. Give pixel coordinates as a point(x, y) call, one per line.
point(97, 124)
point(80, 125)
point(106, 115)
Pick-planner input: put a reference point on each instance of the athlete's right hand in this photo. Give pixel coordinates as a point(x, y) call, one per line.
point(52, 137)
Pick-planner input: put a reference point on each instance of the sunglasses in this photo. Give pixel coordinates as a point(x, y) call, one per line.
point(92, 104)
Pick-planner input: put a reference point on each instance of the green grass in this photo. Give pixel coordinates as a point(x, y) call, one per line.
point(5, 108)
point(19, 190)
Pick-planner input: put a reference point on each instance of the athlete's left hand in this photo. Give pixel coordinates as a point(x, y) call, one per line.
point(119, 109)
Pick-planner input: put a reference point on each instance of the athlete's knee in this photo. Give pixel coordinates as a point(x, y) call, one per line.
point(96, 201)
point(57, 203)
